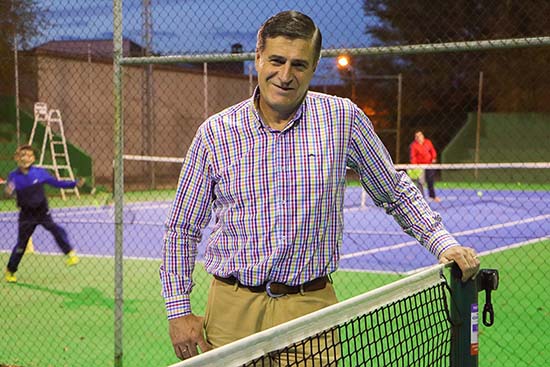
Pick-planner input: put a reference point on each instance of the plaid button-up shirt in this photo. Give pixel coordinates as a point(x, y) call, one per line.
point(277, 196)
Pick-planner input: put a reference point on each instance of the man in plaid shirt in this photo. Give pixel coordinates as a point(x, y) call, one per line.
point(271, 170)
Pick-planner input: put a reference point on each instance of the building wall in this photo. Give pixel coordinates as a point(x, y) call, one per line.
point(83, 92)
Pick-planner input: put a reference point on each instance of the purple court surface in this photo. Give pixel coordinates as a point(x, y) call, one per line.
point(372, 241)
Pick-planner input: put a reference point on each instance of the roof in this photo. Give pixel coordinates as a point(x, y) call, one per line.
point(93, 47)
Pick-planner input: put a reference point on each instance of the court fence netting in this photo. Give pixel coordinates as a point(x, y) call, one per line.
point(472, 76)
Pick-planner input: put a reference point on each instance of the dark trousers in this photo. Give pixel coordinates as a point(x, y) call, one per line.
point(430, 179)
point(28, 220)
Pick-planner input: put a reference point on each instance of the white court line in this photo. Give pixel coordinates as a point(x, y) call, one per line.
point(407, 273)
point(56, 213)
point(513, 245)
point(461, 233)
point(381, 233)
point(475, 199)
point(139, 206)
point(68, 212)
point(81, 255)
point(471, 198)
point(372, 271)
point(84, 255)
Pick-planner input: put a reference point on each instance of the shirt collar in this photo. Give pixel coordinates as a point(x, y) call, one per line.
point(257, 120)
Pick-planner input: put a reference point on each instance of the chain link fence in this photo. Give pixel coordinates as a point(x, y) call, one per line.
point(472, 76)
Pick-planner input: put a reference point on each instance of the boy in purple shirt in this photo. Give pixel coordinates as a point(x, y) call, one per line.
point(28, 183)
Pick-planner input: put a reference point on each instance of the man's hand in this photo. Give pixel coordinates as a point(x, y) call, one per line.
point(186, 333)
point(80, 182)
point(465, 258)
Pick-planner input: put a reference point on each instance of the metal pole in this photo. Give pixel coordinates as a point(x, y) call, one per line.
point(353, 90)
point(205, 83)
point(118, 180)
point(250, 80)
point(16, 71)
point(464, 316)
point(147, 120)
point(89, 104)
point(398, 127)
point(478, 126)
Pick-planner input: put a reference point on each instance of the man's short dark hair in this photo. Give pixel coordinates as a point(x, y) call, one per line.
point(290, 24)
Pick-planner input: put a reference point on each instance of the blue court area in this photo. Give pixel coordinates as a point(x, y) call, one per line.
point(372, 241)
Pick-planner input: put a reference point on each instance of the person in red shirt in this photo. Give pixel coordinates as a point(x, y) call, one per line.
point(422, 151)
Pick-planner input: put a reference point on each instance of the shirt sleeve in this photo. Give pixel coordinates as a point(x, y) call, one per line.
point(412, 153)
point(189, 214)
point(433, 152)
point(10, 187)
point(392, 190)
point(47, 178)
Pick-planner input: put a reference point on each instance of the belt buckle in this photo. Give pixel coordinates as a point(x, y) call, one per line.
point(271, 294)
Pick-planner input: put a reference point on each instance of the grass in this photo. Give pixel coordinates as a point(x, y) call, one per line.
point(519, 336)
point(63, 316)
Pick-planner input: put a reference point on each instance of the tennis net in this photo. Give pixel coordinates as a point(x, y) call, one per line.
point(406, 323)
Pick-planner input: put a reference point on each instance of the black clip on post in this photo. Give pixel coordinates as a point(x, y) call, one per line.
point(487, 280)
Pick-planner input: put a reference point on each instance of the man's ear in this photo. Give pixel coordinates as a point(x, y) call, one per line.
point(257, 59)
point(316, 64)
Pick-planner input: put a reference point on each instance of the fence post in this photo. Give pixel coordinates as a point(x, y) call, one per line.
point(118, 180)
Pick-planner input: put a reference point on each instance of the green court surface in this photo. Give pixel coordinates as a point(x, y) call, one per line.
point(61, 316)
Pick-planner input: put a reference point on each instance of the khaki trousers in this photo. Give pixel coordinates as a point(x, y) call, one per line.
point(233, 313)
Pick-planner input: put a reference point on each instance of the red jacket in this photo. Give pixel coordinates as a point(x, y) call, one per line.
point(422, 153)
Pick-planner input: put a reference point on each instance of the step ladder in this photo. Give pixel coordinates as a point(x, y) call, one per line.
point(54, 136)
point(40, 116)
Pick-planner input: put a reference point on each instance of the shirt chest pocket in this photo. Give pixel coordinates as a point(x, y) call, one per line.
point(312, 168)
point(316, 172)
point(241, 180)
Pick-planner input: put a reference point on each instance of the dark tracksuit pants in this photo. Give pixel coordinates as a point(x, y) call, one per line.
point(430, 179)
point(29, 218)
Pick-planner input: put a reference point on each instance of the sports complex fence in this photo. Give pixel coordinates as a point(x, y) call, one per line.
point(132, 81)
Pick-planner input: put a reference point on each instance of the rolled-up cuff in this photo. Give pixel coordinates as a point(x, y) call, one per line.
point(177, 306)
point(441, 241)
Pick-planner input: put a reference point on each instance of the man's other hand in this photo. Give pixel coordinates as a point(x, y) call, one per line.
point(187, 334)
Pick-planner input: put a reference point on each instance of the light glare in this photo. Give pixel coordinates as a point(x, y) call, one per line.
point(343, 61)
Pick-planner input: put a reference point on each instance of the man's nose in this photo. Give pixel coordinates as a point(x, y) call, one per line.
point(285, 74)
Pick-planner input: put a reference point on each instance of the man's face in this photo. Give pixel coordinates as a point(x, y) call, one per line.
point(285, 68)
point(24, 158)
point(419, 137)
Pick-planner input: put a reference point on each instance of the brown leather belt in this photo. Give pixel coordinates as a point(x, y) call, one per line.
point(274, 289)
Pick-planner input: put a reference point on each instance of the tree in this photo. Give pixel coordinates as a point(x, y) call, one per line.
point(440, 88)
point(21, 21)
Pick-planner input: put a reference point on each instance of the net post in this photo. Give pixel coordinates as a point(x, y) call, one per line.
point(465, 321)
